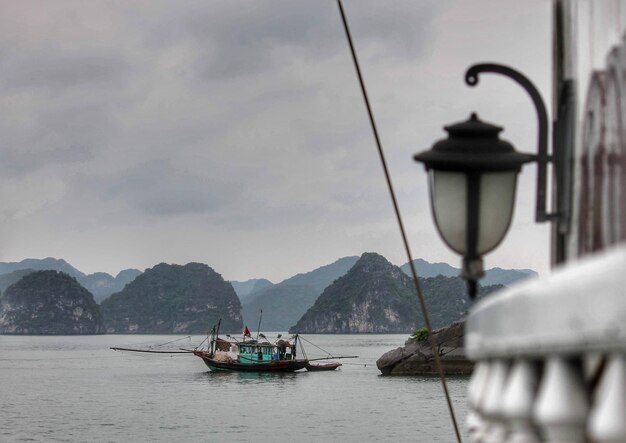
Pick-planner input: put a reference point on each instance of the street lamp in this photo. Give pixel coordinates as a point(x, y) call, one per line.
point(473, 176)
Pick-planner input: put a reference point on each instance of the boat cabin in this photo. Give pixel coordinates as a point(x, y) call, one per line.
point(265, 352)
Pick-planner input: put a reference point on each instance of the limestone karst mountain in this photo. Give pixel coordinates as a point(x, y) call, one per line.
point(284, 303)
point(100, 284)
point(173, 299)
point(374, 296)
point(378, 297)
point(49, 302)
point(247, 290)
point(493, 276)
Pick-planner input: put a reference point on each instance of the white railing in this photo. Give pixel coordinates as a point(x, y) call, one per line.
point(551, 357)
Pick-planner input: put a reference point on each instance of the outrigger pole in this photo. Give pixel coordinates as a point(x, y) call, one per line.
point(150, 351)
point(332, 357)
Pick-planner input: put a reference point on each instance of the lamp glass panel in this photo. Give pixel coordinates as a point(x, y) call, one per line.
point(497, 198)
point(448, 193)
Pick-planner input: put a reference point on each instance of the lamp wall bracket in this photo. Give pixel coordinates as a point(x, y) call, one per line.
point(542, 157)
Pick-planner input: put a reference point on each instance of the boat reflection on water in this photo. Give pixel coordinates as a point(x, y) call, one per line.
point(265, 377)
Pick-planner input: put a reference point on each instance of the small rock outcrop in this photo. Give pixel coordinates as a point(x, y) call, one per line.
point(50, 303)
point(175, 299)
point(416, 357)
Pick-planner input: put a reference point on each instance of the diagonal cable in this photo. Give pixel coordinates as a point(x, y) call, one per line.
point(401, 226)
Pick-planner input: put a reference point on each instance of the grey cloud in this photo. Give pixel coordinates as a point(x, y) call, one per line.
point(404, 27)
point(242, 118)
point(158, 188)
point(57, 133)
point(224, 40)
point(244, 45)
point(56, 70)
point(16, 161)
point(242, 39)
point(262, 215)
point(61, 103)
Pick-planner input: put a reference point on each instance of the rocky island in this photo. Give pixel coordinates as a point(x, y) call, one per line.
point(416, 356)
point(445, 298)
point(378, 297)
point(374, 296)
point(49, 303)
point(100, 284)
point(173, 299)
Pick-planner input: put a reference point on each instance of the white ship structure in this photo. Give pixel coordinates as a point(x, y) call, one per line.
point(550, 354)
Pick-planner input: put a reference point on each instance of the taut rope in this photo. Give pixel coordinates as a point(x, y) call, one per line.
point(400, 225)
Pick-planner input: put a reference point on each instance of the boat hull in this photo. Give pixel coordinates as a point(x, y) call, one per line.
point(273, 366)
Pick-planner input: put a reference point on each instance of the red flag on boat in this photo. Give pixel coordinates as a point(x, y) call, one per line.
point(246, 332)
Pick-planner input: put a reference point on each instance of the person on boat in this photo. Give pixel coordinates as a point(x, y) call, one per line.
point(282, 348)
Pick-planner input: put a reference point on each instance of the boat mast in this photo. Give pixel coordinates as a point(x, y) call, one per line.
point(295, 346)
point(258, 330)
point(217, 333)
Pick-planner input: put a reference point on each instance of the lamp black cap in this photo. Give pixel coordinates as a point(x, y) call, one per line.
point(473, 146)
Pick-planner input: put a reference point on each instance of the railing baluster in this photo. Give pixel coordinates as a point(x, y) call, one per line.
point(519, 397)
point(477, 388)
point(607, 420)
point(496, 429)
point(562, 405)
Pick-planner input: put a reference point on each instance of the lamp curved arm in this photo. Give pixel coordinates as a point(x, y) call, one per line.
point(471, 78)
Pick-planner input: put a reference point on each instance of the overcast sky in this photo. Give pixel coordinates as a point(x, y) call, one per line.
point(233, 132)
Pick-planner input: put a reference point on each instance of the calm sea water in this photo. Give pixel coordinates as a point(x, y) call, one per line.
point(73, 388)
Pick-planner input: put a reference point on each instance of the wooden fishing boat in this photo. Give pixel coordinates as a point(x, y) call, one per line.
point(254, 355)
point(251, 355)
point(247, 354)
